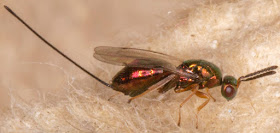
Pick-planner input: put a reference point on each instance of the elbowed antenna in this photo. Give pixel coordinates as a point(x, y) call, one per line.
point(54, 48)
point(258, 74)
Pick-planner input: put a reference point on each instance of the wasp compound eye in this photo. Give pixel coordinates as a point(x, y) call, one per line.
point(229, 87)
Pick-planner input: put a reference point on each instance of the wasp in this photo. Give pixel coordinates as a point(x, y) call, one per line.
point(145, 71)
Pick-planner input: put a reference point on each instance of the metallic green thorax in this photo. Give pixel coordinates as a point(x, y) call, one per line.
point(209, 74)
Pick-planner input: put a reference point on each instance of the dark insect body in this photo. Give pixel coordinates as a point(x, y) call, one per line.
point(133, 81)
point(145, 71)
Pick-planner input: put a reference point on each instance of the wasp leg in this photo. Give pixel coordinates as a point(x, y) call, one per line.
point(111, 97)
point(155, 86)
point(144, 93)
point(207, 90)
point(194, 88)
point(184, 89)
point(202, 95)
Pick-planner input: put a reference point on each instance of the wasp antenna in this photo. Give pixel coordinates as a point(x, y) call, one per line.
point(54, 48)
point(258, 74)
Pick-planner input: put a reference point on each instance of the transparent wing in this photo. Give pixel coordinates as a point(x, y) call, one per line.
point(133, 57)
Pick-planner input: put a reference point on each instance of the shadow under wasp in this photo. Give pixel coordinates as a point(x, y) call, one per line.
point(145, 71)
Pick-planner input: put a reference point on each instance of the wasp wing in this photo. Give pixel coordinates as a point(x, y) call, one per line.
point(133, 57)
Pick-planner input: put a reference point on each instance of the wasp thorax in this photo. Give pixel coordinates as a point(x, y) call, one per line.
point(229, 87)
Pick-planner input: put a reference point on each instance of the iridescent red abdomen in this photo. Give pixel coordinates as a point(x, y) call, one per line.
point(133, 81)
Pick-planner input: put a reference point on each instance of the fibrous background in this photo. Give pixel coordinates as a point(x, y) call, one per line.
point(40, 91)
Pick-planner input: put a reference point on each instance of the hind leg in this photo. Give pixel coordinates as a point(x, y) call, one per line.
point(194, 89)
point(111, 97)
point(154, 87)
